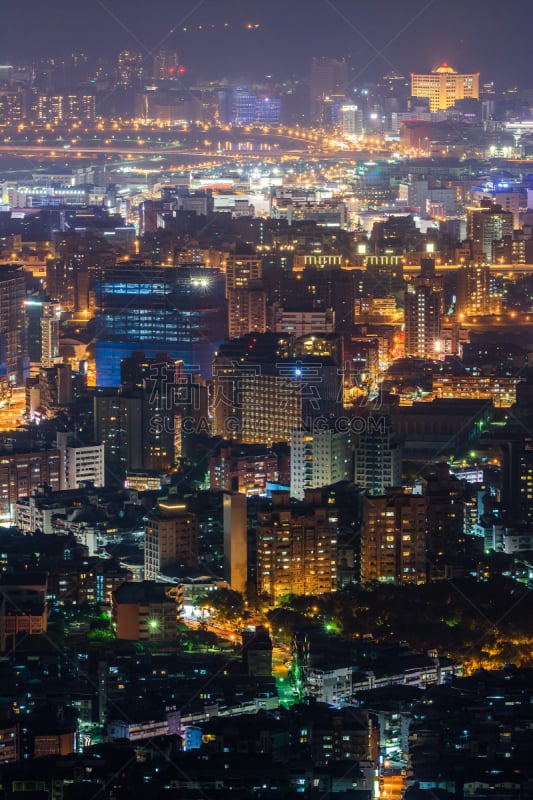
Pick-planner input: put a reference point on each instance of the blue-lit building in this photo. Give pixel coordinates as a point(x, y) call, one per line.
point(176, 310)
point(268, 110)
point(247, 108)
point(243, 107)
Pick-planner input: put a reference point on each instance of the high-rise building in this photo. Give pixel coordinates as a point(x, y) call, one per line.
point(170, 538)
point(242, 271)
point(166, 66)
point(351, 121)
point(422, 322)
point(486, 227)
point(116, 425)
point(329, 78)
point(247, 300)
point(393, 539)
point(319, 458)
point(262, 392)
point(14, 363)
point(445, 516)
point(444, 86)
point(176, 310)
point(247, 108)
point(247, 311)
point(50, 334)
point(235, 541)
point(296, 547)
point(377, 456)
point(243, 107)
point(130, 68)
point(475, 294)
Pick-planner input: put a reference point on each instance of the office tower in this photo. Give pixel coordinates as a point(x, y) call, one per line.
point(393, 539)
point(50, 334)
point(117, 425)
point(176, 310)
point(235, 541)
point(487, 227)
point(351, 121)
point(243, 107)
point(473, 291)
point(296, 548)
point(170, 538)
point(80, 462)
point(267, 111)
point(329, 78)
point(444, 86)
point(377, 456)
point(319, 458)
point(14, 362)
point(260, 397)
point(252, 402)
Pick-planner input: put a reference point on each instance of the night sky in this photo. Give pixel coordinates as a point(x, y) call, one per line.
point(492, 36)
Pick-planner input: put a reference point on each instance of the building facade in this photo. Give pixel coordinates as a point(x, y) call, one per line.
point(444, 86)
point(171, 538)
point(296, 548)
point(394, 539)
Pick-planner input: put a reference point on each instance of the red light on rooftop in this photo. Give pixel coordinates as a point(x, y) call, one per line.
point(181, 70)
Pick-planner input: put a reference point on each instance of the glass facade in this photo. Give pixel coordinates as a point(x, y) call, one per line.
point(175, 310)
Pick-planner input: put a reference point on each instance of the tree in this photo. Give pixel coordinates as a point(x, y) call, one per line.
point(225, 604)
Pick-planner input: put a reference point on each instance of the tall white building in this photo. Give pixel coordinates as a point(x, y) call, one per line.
point(80, 463)
point(319, 459)
point(351, 121)
point(50, 335)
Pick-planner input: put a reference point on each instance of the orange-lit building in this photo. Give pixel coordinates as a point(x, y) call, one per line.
point(147, 611)
point(443, 86)
point(394, 539)
point(296, 547)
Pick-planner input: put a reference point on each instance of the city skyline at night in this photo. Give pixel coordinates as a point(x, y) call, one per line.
point(250, 40)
